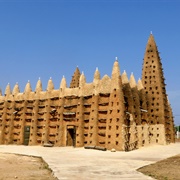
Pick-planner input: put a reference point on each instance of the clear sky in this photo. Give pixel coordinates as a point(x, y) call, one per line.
point(49, 38)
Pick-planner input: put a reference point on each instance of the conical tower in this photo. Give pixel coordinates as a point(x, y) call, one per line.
point(75, 78)
point(158, 107)
point(115, 130)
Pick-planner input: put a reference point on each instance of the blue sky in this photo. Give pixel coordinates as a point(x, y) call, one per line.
point(49, 38)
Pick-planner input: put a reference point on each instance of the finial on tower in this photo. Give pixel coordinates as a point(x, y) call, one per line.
point(139, 84)
point(28, 87)
point(124, 78)
point(50, 85)
point(96, 76)
point(116, 58)
point(151, 32)
point(63, 83)
point(132, 81)
point(38, 86)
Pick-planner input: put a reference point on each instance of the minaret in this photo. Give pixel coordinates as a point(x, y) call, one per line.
point(153, 82)
point(116, 110)
point(75, 78)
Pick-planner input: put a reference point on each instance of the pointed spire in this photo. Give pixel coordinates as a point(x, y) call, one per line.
point(152, 66)
point(96, 76)
point(16, 89)
point(38, 86)
point(115, 77)
point(75, 78)
point(27, 88)
point(151, 44)
point(116, 70)
point(124, 78)
point(132, 81)
point(50, 85)
point(63, 83)
point(8, 90)
point(140, 85)
point(82, 80)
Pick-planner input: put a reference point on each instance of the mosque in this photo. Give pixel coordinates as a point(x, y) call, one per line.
point(110, 112)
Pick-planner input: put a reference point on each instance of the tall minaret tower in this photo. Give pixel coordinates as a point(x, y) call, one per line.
point(160, 117)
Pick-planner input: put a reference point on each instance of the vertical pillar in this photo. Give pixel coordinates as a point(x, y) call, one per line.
point(61, 137)
point(47, 116)
point(33, 136)
point(2, 135)
point(80, 123)
point(11, 123)
point(23, 122)
point(94, 120)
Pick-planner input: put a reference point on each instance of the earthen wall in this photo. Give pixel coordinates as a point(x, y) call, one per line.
point(111, 112)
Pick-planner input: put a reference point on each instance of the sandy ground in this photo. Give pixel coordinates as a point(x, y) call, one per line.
point(32, 168)
point(85, 164)
point(23, 167)
point(167, 169)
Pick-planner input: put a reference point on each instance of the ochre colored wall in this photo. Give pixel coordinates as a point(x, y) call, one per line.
point(111, 112)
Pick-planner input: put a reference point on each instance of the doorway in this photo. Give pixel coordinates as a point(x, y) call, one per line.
point(26, 135)
point(71, 136)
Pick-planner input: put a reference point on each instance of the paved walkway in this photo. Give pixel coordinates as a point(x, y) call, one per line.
point(84, 164)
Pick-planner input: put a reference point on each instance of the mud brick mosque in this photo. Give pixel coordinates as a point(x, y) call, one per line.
point(110, 112)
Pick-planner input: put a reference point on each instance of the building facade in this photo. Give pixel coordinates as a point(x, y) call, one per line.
point(111, 112)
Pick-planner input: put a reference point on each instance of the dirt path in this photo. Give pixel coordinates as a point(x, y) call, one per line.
point(23, 167)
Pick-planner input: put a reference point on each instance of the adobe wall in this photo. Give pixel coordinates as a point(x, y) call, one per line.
point(109, 112)
point(93, 111)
